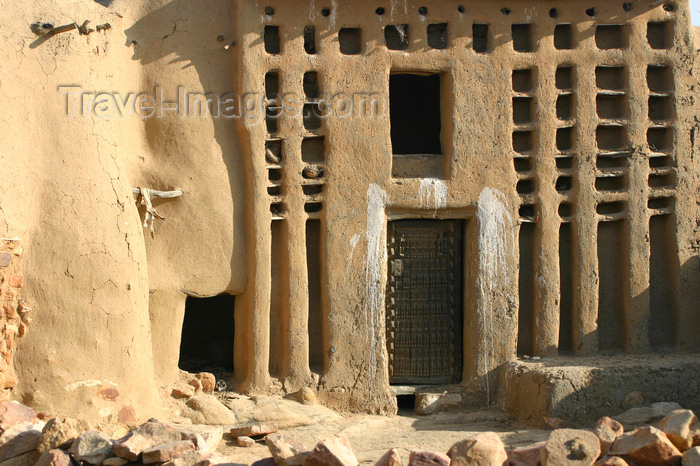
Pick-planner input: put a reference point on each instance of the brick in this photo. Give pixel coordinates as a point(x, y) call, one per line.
point(16, 281)
point(253, 430)
point(5, 259)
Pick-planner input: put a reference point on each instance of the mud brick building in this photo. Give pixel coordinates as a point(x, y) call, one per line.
point(412, 196)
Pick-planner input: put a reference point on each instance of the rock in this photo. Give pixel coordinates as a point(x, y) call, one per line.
point(312, 171)
point(265, 462)
point(429, 403)
point(334, 451)
point(12, 412)
point(196, 385)
point(19, 428)
point(607, 430)
point(206, 409)
point(25, 459)
point(217, 459)
point(182, 392)
point(191, 458)
point(142, 438)
point(114, 461)
point(692, 457)
point(529, 455)
point(54, 458)
point(207, 380)
point(253, 430)
point(127, 415)
point(20, 443)
point(428, 458)
point(553, 422)
point(167, 452)
point(390, 458)
point(611, 461)
point(244, 441)
point(306, 396)
point(646, 446)
point(286, 451)
point(646, 414)
point(679, 426)
point(203, 436)
point(60, 433)
point(92, 447)
point(484, 449)
point(572, 447)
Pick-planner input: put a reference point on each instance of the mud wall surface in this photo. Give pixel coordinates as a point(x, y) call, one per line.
point(69, 167)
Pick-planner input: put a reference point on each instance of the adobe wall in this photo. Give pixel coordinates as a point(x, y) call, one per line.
point(108, 299)
point(570, 141)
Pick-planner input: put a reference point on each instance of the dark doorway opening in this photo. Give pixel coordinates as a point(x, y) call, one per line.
point(207, 334)
point(424, 301)
point(414, 102)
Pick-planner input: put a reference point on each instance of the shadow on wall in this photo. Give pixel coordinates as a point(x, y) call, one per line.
point(167, 42)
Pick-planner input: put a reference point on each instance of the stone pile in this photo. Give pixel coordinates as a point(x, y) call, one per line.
point(675, 441)
point(26, 440)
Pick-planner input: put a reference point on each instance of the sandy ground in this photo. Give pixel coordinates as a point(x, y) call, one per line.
point(372, 436)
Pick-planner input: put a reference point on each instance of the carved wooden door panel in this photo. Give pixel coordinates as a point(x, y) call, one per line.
point(424, 301)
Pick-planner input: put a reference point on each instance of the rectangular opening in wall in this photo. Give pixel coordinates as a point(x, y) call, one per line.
point(664, 161)
point(523, 141)
point(311, 86)
point(611, 137)
point(524, 187)
point(480, 38)
point(278, 210)
point(313, 207)
point(661, 108)
point(563, 184)
point(274, 107)
point(667, 180)
point(310, 40)
point(279, 268)
point(314, 264)
point(612, 257)
point(313, 150)
point(564, 78)
point(271, 38)
point(350, 40)
point(522, 164)
point(396, 36)
point(437, 36)
point(522, 110)
point(660, 34)
point(526, 288)
point(527, 213)
point(611, 78)
point(565, 107)
point(563, 37)
point(565, 139)
point(312, 190)
point(611, 36)
point(415, 113)
point(663, 282)
point(565, 163)
point(208, 328)
point(660, 139)
point(274, 174)
point(566, 286)
point(610, 208)
point(274, 190)
point(661, 203)
point(566, 210)
point(523, 80)
point(660, 79)
point(604, 163)
point(312, 116)
point(522, 37)
point(610, 183)
point(273, 152)
point(611, 107)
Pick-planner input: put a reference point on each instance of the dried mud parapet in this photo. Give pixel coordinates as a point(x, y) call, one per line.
point(14, 314)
